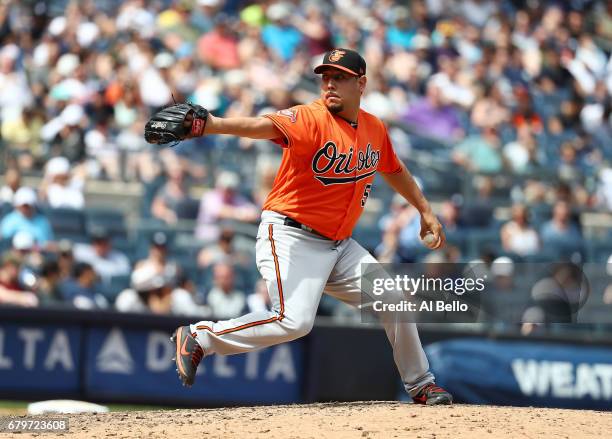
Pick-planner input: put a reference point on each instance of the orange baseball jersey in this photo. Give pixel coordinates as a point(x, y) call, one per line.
point(328, 167)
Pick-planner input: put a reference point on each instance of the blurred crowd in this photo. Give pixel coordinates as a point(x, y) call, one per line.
point(511, 88)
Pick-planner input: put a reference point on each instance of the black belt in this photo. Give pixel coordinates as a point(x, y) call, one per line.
point(293, 223)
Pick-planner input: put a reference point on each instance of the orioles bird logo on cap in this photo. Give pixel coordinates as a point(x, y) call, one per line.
point(336, 55)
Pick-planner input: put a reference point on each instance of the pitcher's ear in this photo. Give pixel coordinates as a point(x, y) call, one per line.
point(362, 83)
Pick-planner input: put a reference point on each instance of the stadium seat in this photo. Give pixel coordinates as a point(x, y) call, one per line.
point(483, 239)
point(368, 237)
point(111, 220)
point(5, 208)
point(66, 223)
point(114, 286)
point(598, 251)
point(188, 209)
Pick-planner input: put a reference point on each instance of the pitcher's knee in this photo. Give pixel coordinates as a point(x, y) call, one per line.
point(298, 327)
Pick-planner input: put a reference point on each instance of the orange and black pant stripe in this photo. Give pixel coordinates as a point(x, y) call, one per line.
point(281, 314)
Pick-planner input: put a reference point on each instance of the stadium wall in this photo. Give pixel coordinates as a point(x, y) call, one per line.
point(110, 357)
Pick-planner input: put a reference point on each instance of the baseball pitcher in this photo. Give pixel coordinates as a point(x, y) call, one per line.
point(331, 151)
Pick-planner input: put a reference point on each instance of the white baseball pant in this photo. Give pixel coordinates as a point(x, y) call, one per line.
point(298, 266)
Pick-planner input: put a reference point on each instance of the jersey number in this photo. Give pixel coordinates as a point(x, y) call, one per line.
point(366, 194)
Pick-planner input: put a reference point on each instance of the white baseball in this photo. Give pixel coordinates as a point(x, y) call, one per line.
point(429, 239)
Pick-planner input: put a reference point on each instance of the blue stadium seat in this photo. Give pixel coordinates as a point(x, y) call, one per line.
point(368, 237)
point(483, 239)
point(188, 209)
point(114, 286)
point(598, 251)
point(5, 208)
point(111, 220)
point(127, 247)
point(5, 245)
point(66, 223)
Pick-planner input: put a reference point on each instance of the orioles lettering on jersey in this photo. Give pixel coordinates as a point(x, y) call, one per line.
point(328, 167)
point(328, 158)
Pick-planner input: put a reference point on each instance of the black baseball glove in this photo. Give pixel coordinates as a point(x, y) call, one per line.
point(175, 123)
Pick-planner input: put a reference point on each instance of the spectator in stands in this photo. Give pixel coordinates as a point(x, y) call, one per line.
point(490, 110)
point(480, 153)
point(450, 217)
point(167, 202)
point(223, 251)
point(406, 229)
point(65, 258)
point(223, 203)
point(150, 292)
point(264, 180)
point(391, 225)
point(517, 235)
point(25, 250)
point(203, 13)
point(479, 211)
point(48, 284)
point(25, 217)
point(604, 189)
point(278, 35)
point(100, 254)
point(521, 155)
point(223, 299)
point(259, 299)
point(560, 228)
point(12, 182)
point(433, 117)
point(556, 298)
point(102, 149)
point(153, 292)
point(183, 298)
point(59, 188)
point(400, 34)
point(11, 290)
point(501, 304)
point(315, 29)
point(80, 289)
point(569, 169)
point(219, 47)
point(157, 259)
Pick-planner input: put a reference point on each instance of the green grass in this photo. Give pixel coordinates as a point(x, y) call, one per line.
point(20, 407)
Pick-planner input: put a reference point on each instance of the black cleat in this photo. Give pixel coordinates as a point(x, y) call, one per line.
point(430, 394)
point(189, 353)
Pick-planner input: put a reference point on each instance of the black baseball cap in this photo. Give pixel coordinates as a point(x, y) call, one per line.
point(343, 59)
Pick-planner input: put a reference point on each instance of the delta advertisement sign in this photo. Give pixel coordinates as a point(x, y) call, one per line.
point(119, 363)
point(132, 363)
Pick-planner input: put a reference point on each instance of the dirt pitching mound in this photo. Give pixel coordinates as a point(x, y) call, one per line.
point(345, 420)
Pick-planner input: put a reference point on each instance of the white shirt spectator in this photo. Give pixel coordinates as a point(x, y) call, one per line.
point(62, 190)
point(154, 90)
point(66, 196)
point(182, 303)
point(129, 301)
point(6, 194)
point(604, 189)
point(226, 305)
point(112, 264)
point(181, 300)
